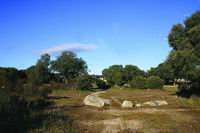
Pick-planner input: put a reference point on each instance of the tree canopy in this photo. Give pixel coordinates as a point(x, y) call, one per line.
point(69, 65)
point(119, 75)
point(184, 58)
point(39, 73)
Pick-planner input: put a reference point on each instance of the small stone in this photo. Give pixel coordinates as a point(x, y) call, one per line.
point(138, 105)
point(127, 104)
point(155, 103)
point(159, 103)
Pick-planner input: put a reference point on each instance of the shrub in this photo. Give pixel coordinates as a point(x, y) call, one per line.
point(132, 83)
point(139, 82)
point(155, 82)
point(101, 84)
point(84, 82)
point(18, 100)
point(13, 111)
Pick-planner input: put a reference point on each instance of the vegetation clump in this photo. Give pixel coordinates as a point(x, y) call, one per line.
point(85, 82)
point(88, 82)
point(155, 82)
point(139, 83)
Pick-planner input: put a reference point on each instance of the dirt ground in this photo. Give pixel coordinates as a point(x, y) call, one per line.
point(180, 116)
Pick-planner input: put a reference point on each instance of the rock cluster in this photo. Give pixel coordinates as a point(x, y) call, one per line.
point(155, 103)
point(96, 101)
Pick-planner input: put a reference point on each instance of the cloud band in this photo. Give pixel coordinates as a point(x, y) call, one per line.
point(74, 47)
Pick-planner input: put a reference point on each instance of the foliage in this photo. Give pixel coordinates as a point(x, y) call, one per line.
point(69, 66)
point(18, 100)
point(87, 82)
point(39, 73)
point(8, 77)
point(13, 111)
point(13, 108)
point(133, 83)
point(164, 71)
point(131, 71)
point(84, 82)
point(139, 83)
point(155, 82)
point(114, 75)
point(101, 84)
point(185, 58)
point(117, 75)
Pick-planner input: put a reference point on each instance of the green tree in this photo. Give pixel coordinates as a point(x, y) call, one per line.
point(8, 77)
point(114, 75)
point(164, 71)
point(131, 71)
point(69, 66)
point(107, 74)
point(84, 82)
point(42, 67)
point(44, 60)
point(101, 84)
point(185, 56)
point(39, 73)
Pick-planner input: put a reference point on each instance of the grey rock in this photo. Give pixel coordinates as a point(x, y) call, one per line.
point(107, 101)
point(127, 104)
point(150, 103)
point(138, 105)
point(159, 103)
point(96, 101)
point(156, 103)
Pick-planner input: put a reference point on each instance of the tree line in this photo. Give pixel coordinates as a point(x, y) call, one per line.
point(131, 76)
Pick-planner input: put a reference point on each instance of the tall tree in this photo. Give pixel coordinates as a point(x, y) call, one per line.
point(39, 73)
point(69, 66)
point(131, 71)
point(114, 75)
point(44, 60)
point(164, 71)
point(185, 56)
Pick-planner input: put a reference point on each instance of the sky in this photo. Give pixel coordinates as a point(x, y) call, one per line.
point(102, 32)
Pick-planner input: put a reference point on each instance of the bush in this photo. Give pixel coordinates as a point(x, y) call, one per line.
point(155, 82)
point(101, 84)
point(84, 82)
point(132, 83)
point(13, 109)
point(139, 82)
point(18, 100)
point(187, 90)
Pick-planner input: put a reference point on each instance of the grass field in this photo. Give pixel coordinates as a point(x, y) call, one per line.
point(68, 114)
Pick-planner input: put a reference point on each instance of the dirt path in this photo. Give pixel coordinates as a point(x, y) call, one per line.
point(97, 93)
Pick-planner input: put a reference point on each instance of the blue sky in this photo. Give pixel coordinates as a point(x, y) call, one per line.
point(102, 32)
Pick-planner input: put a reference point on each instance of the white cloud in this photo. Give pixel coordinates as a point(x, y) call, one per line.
point(74, 47)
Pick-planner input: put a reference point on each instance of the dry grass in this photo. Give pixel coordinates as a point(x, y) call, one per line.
point(181, 115)
point(139, 96)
